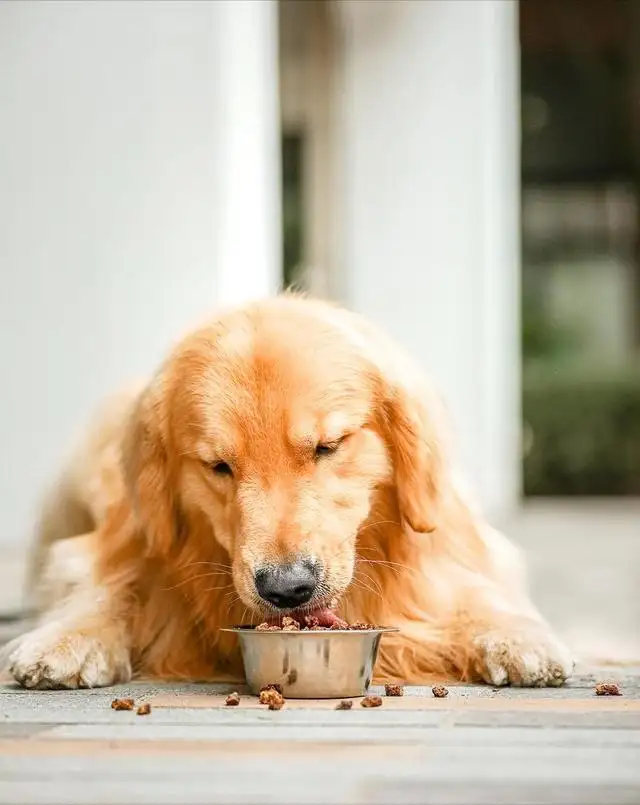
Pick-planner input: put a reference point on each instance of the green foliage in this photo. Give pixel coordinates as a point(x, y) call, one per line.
point(542, 337)
point(585, 430)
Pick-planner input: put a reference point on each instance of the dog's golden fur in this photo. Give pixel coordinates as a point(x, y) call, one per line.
point(151, 550)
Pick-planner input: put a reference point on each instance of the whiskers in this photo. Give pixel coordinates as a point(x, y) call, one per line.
point(396, 567)
point(213, 569)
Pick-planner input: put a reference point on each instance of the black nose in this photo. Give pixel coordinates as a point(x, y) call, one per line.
point(287, 586)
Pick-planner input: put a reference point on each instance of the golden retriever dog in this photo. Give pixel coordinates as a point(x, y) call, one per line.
point(285, 460)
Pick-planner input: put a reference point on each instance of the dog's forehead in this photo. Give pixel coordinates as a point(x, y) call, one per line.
point(277, 376)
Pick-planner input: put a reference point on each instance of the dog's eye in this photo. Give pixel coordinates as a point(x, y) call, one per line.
point(327, 449)
point(222, 468)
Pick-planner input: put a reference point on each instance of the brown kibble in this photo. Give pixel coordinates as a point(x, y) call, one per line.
point(122, 704)
point(144, 709)
point(233, 699)
point(393, 690)
point(272, 686)
point(439, 691)
point(272, 698)
point(608, 689)
point(311, 623)
point(345, 704)
point(371, 701)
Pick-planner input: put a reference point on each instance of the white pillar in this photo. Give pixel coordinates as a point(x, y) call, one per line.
point(139, 189)
point(427, 103)
point(249, 183)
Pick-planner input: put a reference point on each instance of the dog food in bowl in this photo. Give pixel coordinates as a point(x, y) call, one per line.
point(309, 659)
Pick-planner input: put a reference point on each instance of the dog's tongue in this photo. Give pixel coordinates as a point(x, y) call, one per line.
point(325, 616)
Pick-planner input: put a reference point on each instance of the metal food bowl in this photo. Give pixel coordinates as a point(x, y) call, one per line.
point(332, 664)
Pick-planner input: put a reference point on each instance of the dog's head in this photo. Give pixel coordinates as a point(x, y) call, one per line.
point(277, 426)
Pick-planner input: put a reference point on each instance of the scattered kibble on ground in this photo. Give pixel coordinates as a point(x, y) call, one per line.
point(371, 701)
point(272, 698)
point(439, 691)
point(272, 686)
point(144, 709)
point(233, 699)
point(345, 704)
point(122, 704)
point(608, 689)
point(393, 690)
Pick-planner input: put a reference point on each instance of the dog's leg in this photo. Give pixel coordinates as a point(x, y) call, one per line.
point(487, 641)
point(479, 627)
point(67, 565)
point(83, 643)
point(509, 643)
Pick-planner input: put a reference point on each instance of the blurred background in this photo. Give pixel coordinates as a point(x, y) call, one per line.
point(464, 172)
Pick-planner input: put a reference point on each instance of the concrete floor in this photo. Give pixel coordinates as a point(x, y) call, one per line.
point(477, 746)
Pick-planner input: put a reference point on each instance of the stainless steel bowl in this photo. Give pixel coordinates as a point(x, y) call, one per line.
point(310, 665)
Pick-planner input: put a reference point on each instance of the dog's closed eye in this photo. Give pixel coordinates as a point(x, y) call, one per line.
point(221, 468)
point(328, 448)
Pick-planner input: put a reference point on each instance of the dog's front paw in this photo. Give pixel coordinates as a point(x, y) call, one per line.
point(527, 656)
point(49, 659)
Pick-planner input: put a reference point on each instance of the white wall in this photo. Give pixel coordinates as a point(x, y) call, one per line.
point(110, 207)
point(427, 104)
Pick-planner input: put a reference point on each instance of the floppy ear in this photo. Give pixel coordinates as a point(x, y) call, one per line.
point(419, 465)
point(413, 421)
point(147, 472)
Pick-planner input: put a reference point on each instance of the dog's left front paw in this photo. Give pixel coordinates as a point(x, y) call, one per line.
point(529, 657)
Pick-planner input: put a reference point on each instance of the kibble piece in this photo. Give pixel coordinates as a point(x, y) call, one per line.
point(122, 704)
point(371, 701)
point(272, 698)
point(144, 709)
point(360, 627)
point(290, 625)
point(263, 627)
point(272, 686)
point(311, 622)
point(345, 704)
point(608, 689)
point(263, 696)
point(269, 695)
point(439, 691)
point(393, 690)
point(233, 699)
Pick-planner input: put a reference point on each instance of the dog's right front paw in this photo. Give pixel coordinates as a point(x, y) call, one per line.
point(48, 659)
